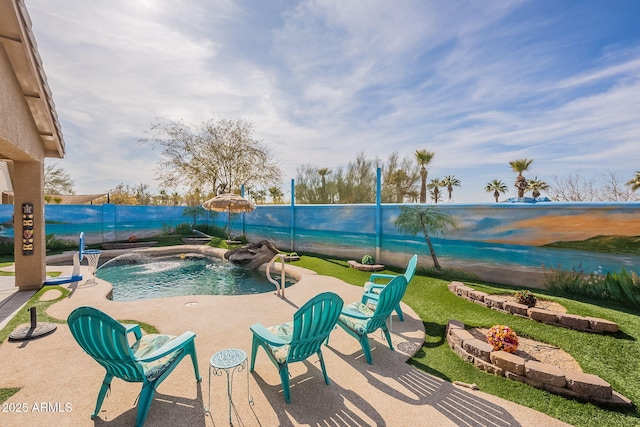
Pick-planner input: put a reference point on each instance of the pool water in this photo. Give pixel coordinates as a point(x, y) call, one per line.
point(138, 277)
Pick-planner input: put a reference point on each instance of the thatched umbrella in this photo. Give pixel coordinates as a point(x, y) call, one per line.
point(228, 202)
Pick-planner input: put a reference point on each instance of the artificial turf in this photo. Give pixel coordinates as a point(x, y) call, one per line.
point(613, 357)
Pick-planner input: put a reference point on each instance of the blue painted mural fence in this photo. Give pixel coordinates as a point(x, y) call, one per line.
point(502, 234)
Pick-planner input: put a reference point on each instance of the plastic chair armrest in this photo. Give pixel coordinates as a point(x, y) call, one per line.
point(266, 336)
point(354, 314)
point(134, 329)
point(169, 347)
point(375, 276)
point(374, 286)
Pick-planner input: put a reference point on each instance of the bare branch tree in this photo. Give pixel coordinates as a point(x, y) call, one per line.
point(574, 188)
point(216, 156)
point(57, 180)
point(607, 186)
point(615, 189)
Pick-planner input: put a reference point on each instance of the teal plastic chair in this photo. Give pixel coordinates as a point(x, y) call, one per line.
point(360, 319)
point(372, 289)
point(149, 360)
point(297, 340)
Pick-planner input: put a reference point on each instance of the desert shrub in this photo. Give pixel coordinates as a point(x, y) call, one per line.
point(166, 229)
point(622, 287)
point(368, 260)
point(183, 229)
point(527, 298)
point(54, 244)
point(6, 247)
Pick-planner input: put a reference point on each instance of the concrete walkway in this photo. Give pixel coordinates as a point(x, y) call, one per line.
point(10, 299)
point(59, 382)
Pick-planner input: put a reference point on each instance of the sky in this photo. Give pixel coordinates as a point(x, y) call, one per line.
point(479, 83)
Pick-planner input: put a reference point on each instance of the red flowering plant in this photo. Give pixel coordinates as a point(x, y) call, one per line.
point(503, 338)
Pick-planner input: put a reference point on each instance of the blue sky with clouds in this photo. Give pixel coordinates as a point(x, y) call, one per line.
point(480, 83)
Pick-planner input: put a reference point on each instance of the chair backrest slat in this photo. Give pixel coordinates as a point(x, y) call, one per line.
point(105, 339)
point(312, 323)
point(411, 268)
point(390, 297)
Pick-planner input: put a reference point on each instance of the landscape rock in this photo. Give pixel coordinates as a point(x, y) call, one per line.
point(545, 373)
point(515, 308)
point(588, 385)
point(573, 321)
point(253, 255)
point(508, 361)
point(542, 315)
point(602, 325)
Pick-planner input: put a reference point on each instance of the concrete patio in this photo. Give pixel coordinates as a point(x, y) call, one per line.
point(59, 382)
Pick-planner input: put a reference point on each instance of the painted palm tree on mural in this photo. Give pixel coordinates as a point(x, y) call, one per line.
point(496, 186)
point(535, 185)
point(519, 166)
point(429, 220)
point(434, 185)
point(450, 181)
point(634, 182)
point(424, 157)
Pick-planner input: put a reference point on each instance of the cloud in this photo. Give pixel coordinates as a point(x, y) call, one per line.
point(479, 83)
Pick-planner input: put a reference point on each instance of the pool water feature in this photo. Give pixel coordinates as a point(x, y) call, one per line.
point(139, 277)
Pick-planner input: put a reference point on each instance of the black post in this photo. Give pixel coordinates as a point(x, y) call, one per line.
point(34, 321)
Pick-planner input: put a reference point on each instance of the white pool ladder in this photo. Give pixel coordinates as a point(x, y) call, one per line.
point(279, 286)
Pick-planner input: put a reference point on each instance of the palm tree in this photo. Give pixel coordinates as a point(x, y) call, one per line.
point(163, 196)
point(399, 180)
point(535, 185)
point(519, 166)
point(634, 183)
point(434, 185)
point(424, 157)
point(497, 186)
point(176, 198)
point(260, 195)
point(276, 194)
point(429, 220)
point(450, 181)
point(323, 172)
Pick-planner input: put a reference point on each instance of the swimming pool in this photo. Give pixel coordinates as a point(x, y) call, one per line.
point(138, 277)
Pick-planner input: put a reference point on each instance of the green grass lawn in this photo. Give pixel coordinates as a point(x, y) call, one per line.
point(615, 358)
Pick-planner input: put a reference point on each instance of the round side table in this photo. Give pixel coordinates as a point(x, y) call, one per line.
point(228, 361)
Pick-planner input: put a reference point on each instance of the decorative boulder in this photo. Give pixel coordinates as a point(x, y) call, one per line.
point(253, 255)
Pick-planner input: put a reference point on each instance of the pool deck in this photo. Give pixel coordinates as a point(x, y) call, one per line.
point(59, 382)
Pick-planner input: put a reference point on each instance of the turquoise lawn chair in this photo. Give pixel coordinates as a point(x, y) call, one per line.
point(372, 289)
point(359, 319)
point(297, 340)
point(149, 360)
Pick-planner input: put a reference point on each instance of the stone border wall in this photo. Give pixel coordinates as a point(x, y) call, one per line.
point(576, 385)
point(365, 267)
point(564, 320)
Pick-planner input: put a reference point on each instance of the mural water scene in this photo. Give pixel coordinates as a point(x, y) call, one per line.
point(506, 235)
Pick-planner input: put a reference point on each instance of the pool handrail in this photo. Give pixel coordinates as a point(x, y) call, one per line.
point(279, 286)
